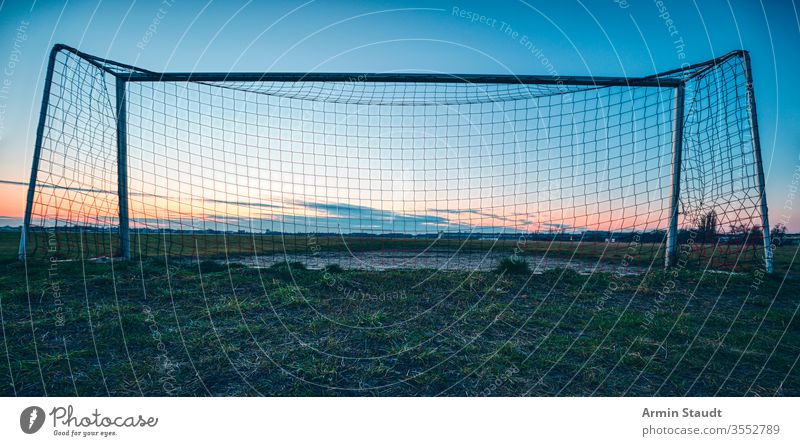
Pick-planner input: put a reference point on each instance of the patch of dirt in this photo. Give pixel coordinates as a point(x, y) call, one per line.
point(432, 259)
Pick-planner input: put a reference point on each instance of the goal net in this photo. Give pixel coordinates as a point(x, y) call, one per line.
point(398, 170)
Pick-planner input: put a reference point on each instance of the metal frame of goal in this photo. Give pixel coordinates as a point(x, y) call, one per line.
point(124, 76)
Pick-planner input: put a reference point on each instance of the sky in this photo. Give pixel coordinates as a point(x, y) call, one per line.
point(598, 38)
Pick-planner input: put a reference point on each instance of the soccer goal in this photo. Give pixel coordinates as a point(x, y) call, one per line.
point(658, 170)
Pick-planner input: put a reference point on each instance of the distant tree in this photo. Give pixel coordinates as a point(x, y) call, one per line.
point(737, 229)
point(778, 233)
point(707, 227)
point(654, 236)
point(750, 235)
point(745, 230)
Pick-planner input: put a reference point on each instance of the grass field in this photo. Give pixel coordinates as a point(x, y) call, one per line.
point(192, 327)
point(89, 245)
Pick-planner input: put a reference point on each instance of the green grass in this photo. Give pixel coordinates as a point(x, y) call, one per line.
point(155, 328)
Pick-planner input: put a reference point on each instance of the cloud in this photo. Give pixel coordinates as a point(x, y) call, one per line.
point(349, 210)
point(344, 215)
point(480, 213)
point(244, 203)
point(557, 225)
point(329, 218)
point(451, 211)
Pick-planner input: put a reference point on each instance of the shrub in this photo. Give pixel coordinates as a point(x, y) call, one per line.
point(299, 266)
point(212, 266)
point(334, 268)
point(513, 265)
point(285, 271)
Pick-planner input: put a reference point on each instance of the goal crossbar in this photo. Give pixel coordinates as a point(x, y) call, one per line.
point(672, 78)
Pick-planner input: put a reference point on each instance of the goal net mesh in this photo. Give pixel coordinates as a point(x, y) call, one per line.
point(397, 174)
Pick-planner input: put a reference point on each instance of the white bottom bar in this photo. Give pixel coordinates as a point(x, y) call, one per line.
point(403, 421)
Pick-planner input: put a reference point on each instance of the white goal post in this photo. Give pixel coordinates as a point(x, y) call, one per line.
point(130, 162)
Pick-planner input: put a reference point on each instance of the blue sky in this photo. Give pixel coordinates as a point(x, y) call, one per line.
point(577, 38)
